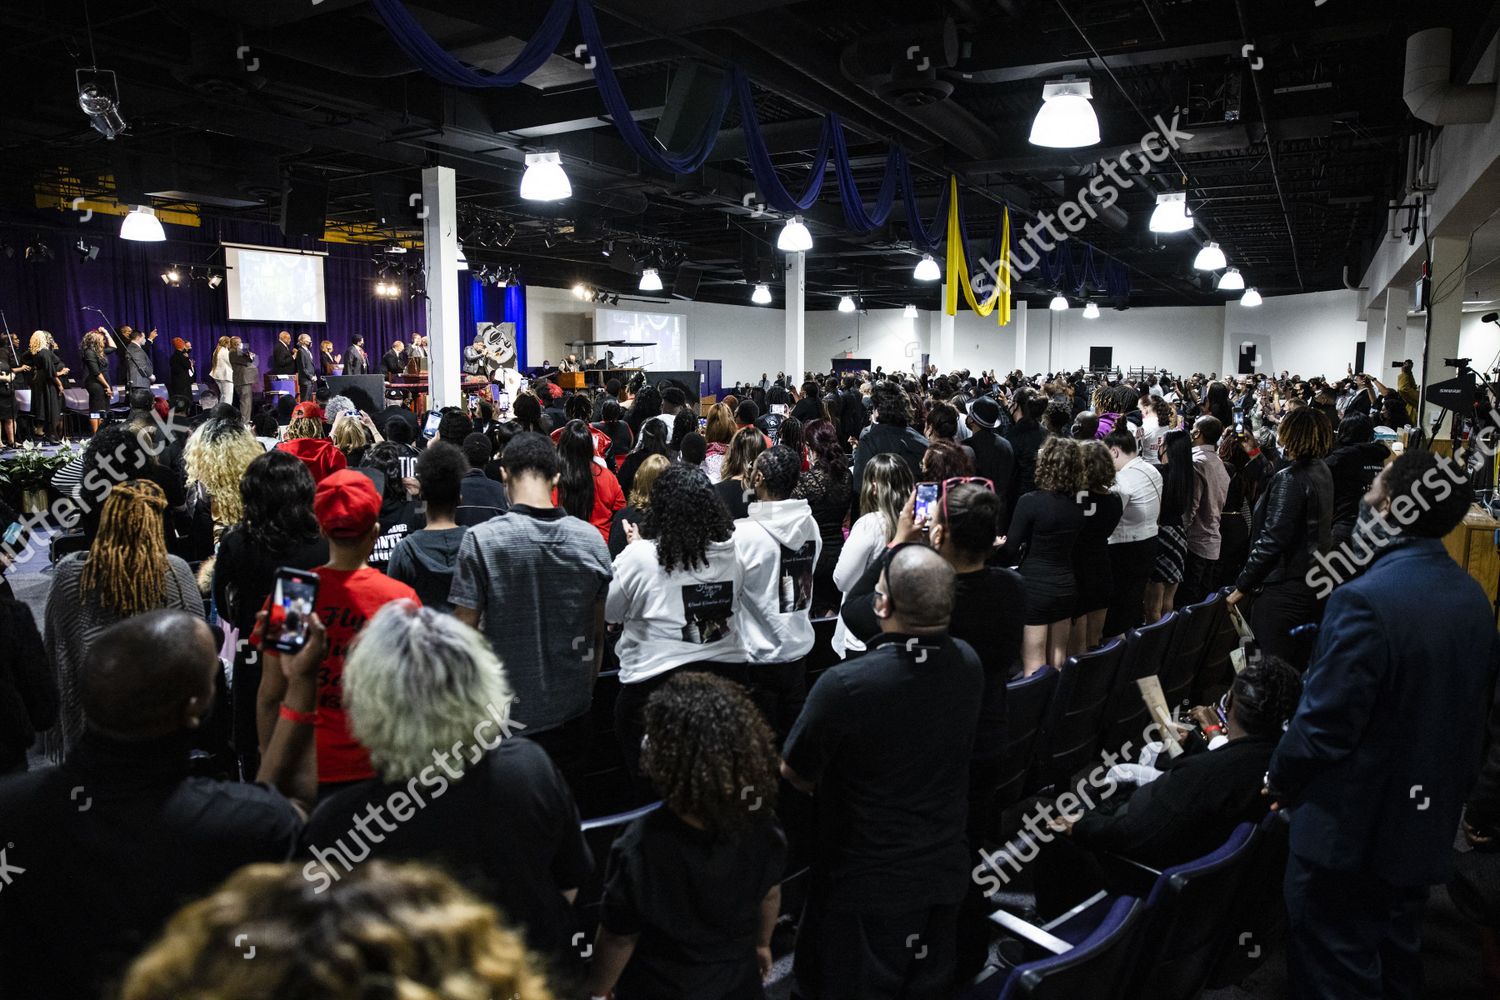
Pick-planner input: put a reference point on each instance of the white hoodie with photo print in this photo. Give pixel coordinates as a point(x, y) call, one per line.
point(670, 619)
point(778, 545)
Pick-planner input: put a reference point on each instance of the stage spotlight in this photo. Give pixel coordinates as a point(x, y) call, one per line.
point(609, 248)
point(579, 291)
point(506, 235)
point(215, 280)
point(86, 251)
point(101, 104)
point(171, 276)
point(37, 252)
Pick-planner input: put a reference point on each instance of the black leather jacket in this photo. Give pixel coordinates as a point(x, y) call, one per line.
point(1292, 522)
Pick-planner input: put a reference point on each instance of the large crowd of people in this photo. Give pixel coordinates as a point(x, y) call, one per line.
point(392, 807)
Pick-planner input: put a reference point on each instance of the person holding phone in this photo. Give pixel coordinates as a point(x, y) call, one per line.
point(348, 593)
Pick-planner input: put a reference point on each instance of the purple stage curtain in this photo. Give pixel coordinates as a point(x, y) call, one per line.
point(125, 282)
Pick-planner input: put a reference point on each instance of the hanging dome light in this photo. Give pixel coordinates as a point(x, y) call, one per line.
point(462, 262)
point(762, 295)
point(1250, 298)
point(650, 280)
point(1066, 119)
point(1171, 213)
point(1210, 258)
point(1059, 303)
point(142, 225)
point(545, 179)
point(927, 269)
point(1091, 310)
point(910, 312)
point(846, 304)
point(1231, 280)
point(794, 236)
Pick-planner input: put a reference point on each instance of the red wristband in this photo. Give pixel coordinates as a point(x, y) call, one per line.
point(292, 715)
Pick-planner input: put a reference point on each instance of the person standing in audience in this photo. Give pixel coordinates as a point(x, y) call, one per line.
point(652, 441)
point(28, 691)
point(692, 890)
point(400, 515)
point(1092, 572)
point(356, 361)
point(304, 439)
point(493, 809)
point(887, 485)
point(1210, 490)
point(426, 558)
point(994, 458)
point(350, 591)
point(126, 571)
point(413, 929)
point(585, 488)
point(480, 497)
point(640, 500)
point(677, 593)
point(1043, 531)
point(1132, 545)
point(1355, 461)
point(891, 864)
point(891, 434)
point(718, 434)
point(122, 813)
point(735, 488)
point(1026, 435)
point(1293, 524)
point(534, 580)
point(778, 546)
point(1386, 742)
point(1178, 494)
point(825, 486)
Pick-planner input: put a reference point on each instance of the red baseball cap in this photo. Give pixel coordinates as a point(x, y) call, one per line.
point(307, 409)
point(346, 504)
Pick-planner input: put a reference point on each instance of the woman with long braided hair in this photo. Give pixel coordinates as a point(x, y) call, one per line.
point(125, 572)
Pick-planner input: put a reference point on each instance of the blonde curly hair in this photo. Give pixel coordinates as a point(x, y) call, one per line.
point(404, 931)
point(217, 454)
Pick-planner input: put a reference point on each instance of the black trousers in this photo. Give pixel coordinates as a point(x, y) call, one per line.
point(1352, 935)
point(1279, 608)
point(1197, 580)
point(1131, 564)
point(843, 955)
point(630, 706)
point(568, 746)
point(779, 690)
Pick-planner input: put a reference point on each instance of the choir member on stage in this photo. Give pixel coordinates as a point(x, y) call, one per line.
point(46, 387)
point(284, 358)
point(356, 361)
point(96, 350)
point(8, 379)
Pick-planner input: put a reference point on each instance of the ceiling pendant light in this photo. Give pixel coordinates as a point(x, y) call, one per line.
point(762, 295)
point(846, 304)
point(910, 312)
point(927, 269)
point(650, 280)
point(1210, 258)
point(1231, 280)
point(1091, 310)
point(1250, 298)
point(142, 225)
point(1171, 213)
point(794, 236)
point(462, 262)
point(1066, 119)
point(1059, 303)
point(545, 179)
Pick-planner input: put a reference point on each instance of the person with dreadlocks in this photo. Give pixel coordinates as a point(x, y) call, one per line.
point(714, 847)
point(1188, 809)
point(125, 572)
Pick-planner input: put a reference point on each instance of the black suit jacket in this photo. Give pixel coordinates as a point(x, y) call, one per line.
point(393, 363)
point(283, 360)
point(306, 368)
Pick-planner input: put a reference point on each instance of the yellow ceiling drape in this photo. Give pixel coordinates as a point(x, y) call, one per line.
point(998, 300)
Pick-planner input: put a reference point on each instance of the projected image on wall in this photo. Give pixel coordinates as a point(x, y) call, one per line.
point(661, 338)
point(274, 286)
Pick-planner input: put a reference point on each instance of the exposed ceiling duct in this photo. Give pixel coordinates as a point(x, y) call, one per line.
point(1428, 86)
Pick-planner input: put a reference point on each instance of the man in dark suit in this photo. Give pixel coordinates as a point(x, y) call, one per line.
point(394, 362)
point(356, 361)
point(1386, 742)
point(307, 368)
point(246, 375)
point(284, 355)
point(136, 365)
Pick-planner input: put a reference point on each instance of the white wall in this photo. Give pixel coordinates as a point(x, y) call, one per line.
point(1307, 335)
point(1312, 334)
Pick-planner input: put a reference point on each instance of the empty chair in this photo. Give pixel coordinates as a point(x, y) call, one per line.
point(1125, 717)
point(1075, 725)
point(1094, 967)
point(1190, 638)
point(1215, 674)
point(1027, 702)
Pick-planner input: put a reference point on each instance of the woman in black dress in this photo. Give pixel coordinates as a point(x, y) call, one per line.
point(1092, 573)
point(96, 376)
point(180, 381)
point(46, 388)
point(8, 379)
point(825, 486)
point(1043, 531)
point(1177, 485)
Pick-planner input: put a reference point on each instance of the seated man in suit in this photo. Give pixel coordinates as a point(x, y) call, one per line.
point(1187, 810)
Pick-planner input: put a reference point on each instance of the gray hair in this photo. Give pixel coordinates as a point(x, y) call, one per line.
point(416, 683)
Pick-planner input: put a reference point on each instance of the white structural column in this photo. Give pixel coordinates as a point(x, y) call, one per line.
point(440, 244)
point(942, 354)
point(1393, 334)
point(795, 361)
point(1449, 255)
